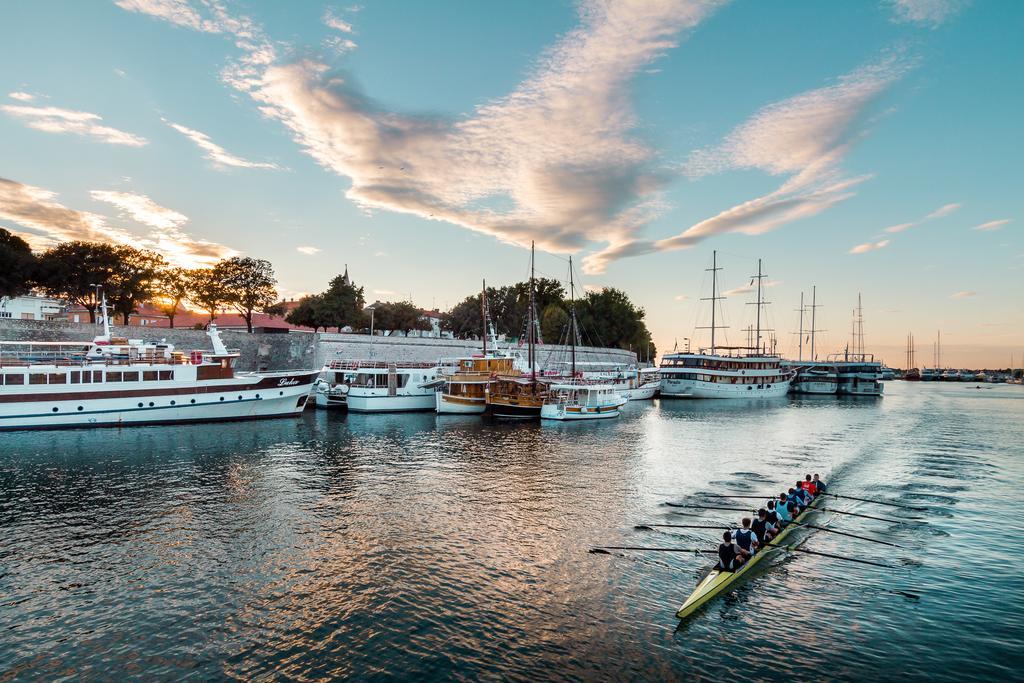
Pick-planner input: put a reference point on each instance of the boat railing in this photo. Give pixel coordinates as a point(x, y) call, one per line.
point(377, 365)
point(35, 360)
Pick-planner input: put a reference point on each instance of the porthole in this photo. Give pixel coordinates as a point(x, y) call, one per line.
point(239, 397)
point(151, 404)
point(193, 400)
point(281, 393)
point(80, 408)
point(172, 403)
point(55, 409)
point(257, 395)
point(222, 398)
point(140, 405)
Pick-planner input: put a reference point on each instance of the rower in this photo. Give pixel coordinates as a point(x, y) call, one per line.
point(803, 494)
point(791, 497)
point(761, 528)
point(745, 538)
point(782, 510)
point(819, 484)
point(773, 517)
point(730, 558)
point(809, 485)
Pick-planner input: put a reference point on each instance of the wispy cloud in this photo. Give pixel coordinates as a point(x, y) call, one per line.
point(992, 225)
point(48, 222)
point(554, 161)
point(141, 208)
point(57, 120)
point(308, 251)
point(750, 287)
point(925, 12)
point(805, 138)
point(941, 212)
point(681, 297)
point(963, 295)
point(21, 96)
point(332, 20)
point(869, 246)
point(215, 153)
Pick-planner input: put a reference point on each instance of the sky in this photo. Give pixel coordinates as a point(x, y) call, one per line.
point(867, 149)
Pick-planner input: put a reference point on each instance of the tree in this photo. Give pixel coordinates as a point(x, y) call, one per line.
point(399, 316)
point(171, 289)
point(17, 265)
point(248, 284)
point(554, 323)
point(206, 290)
point(465, 318)
point(610, 319)
point(342, 304)
point(72, 270)
point(309, 313)
point(134, 279)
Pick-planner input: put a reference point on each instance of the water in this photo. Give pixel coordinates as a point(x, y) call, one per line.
point(413, 546)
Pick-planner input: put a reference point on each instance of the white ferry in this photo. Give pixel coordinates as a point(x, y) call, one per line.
point(119, 382)
point(814, 378)
point(630, 382)
point(573, 402)
point(330, 392)
point(725, 371)
point(857, 374)
point(390, 387)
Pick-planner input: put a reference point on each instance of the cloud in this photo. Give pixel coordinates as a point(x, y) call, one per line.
point(680, 297)
point(992, 225)
point(899, 228)
point(339, 45)
point(308, 251)
point(804, 138)
point(141, 208)
point(215, 153)
point(21, 96)
point(750, 287)
point(942, 211)
point(49, 222)
point(925, 12)
point(869, 246)
point(331, 20)
point(57, 120)
point(963, 295)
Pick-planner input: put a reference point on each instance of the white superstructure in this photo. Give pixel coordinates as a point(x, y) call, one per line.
point(121, 382)
point(813, 378)
point(389, 387)
point(570, 402)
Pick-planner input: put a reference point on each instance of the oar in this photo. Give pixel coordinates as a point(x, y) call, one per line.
point(878, 502)
point(604, 549)
point(830, 510)
point(650, 527)
point(705, 507)
point(836, 557)
point(845, 533)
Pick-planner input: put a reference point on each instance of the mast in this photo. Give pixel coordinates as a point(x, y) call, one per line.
point(814, 310)
point(483, 314)
point(572, 313)
point(759, 277)
point(714, 296)
point(801, 332)
point(530, 335)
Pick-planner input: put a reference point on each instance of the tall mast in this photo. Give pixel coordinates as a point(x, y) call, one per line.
point(483, 313)
point(814, 310)
point(532, 332)
point(572, 312)
point(714, 296)
point(759, 276)
point(801, 332)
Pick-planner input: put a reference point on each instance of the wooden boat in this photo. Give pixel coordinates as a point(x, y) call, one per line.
point(717, 582)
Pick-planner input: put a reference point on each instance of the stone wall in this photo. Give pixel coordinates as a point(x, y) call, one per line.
point(298, 349)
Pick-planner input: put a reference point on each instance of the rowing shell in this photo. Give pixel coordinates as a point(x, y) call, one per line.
point(717, 581)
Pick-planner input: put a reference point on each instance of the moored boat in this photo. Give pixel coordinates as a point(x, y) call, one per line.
point(574, 402)
point(391, 386)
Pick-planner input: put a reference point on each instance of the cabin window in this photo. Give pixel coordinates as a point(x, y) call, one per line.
point(97, 376)
point(12, 379)
point(149, 376)
point(166, 374)
point(76, 377)
point(130, 377)
point(114, 376)
point(37, 378)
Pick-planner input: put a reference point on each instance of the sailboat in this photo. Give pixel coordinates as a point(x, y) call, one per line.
point(911, 374)
point(464, 391)
point(519, 396)
point(812, 376)
point(576, 399)
point(726, 371)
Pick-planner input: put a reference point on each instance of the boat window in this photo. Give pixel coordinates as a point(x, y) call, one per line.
point(97, 376)
point(14, 379)
point(76, 377)
point(113, 376)
point(37, 378)
point(166, 374)
point(130, 377)
point(149, 375)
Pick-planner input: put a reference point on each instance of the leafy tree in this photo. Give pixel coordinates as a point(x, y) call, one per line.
point(248, 284)
point(342, 304)
point(608, 318)
point(309, 313)
point(171, 289)
point(465, 319)
point(554, 322)
point(72, 270)
point(206, 290)
point(134, 279)
point(400, 316)
point(17, 265)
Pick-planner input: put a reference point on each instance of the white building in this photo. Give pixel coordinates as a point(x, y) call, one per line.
point(32, 307)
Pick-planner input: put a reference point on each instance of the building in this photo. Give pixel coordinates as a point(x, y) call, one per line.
point(32, 307)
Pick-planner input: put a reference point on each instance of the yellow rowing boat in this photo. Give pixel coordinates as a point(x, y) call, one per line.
point(717, 581)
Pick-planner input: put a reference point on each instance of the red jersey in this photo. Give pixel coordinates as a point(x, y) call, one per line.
point(810, 487)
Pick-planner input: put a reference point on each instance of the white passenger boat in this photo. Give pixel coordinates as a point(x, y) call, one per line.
point(630, 382)
point(725, 371)
point(389, 387)
point(330, 392)
point(814, 378)
point(857, 374)
point(571, 402)
point(122, 382)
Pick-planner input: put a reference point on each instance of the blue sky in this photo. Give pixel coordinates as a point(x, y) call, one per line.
point(863, 147)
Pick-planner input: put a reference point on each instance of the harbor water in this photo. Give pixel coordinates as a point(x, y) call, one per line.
point(423, 547)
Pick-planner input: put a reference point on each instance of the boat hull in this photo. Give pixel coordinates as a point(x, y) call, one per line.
point(265, 396)
point(446, 404)
point(577, 413)
point(688, 388)
point(717, 582)
point(813, 387)
point(512, 411)
point(389, 404)
point(643, 393)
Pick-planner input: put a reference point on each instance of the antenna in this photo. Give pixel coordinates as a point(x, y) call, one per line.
point(713, 298)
